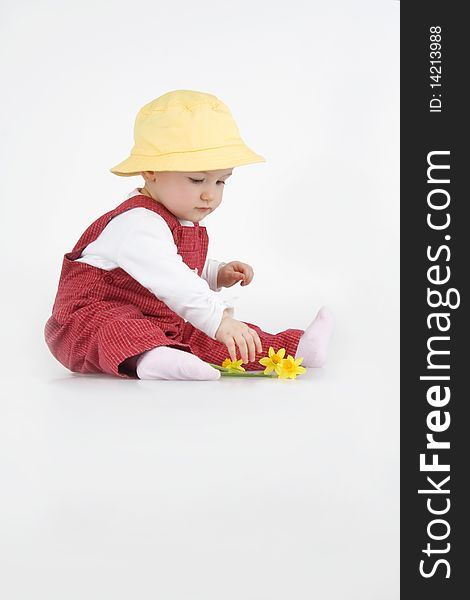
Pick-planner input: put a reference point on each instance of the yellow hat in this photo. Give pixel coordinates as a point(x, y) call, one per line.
point(184, 130)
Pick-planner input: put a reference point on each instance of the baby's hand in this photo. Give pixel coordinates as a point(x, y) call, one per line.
point(234, 333)
point(233, 272)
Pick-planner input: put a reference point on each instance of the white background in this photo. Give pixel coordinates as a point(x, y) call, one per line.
point(253, 489)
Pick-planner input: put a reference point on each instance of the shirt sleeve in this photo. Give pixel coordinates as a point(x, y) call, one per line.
point(142, 245)
point(210, 272)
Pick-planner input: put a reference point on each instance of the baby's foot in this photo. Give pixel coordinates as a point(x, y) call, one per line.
point(313, 344)
point(170, 363)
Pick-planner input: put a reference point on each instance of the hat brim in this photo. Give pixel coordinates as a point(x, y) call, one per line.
point(198, 160)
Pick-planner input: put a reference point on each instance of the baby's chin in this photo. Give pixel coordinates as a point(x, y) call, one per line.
point(194, 215)
point(199, 215)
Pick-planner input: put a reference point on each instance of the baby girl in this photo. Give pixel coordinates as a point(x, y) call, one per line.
point(137, 295)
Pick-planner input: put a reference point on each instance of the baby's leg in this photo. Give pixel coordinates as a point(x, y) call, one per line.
point(311, 344)
point(169, 363)
point(210, 350)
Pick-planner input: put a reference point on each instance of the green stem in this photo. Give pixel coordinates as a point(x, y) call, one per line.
point(227, 372)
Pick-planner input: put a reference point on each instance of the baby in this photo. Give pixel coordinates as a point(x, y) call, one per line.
point(137, 295)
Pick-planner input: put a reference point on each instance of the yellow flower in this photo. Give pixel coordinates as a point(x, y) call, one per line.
point(233, 364)
point(289, 368)
point(272, 360)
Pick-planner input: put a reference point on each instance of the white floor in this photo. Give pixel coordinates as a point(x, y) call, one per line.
point(114, 489)
point(253, 489)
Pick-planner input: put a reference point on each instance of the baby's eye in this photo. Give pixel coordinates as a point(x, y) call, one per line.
point(201, 180)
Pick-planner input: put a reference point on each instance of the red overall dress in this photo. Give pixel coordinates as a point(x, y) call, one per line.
point(102, 319)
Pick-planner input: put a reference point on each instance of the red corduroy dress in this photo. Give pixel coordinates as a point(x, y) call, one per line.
point(101, 319)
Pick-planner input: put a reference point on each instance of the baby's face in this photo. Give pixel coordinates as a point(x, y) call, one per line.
point(190, 195)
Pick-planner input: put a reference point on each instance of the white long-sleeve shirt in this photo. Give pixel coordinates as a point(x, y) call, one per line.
point(141, 243)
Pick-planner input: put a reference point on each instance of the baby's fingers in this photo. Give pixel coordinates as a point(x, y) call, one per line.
point(231, 349)
point(241, 343)
point(248, 276)
point(259, 347)
point(250, 344)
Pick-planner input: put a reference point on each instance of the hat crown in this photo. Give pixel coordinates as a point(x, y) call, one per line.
point(182, 99)
point(185, 130)
point(183, 121)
